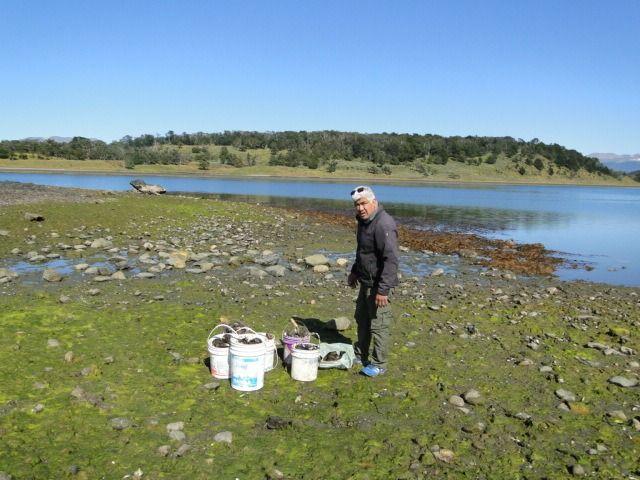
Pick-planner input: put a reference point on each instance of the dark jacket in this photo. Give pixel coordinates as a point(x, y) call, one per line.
point(377, 253)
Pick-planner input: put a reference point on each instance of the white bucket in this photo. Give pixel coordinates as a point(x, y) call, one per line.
point(304, 363)
point(270, 354)
point(218, 356)
point(247, 363)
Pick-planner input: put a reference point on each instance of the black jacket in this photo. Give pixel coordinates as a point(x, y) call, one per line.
point(377, 253)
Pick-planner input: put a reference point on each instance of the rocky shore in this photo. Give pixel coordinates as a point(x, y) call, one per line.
point(106, 301)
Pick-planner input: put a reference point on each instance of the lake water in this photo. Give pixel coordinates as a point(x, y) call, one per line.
point(596, 225)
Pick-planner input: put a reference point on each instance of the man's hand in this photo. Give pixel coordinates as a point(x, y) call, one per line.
point(382, 300)
point(352, 280)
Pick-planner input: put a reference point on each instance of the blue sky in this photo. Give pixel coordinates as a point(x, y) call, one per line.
point(562, 71)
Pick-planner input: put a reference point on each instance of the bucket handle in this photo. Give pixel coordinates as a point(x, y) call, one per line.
point(221, 325)
point(314, 334)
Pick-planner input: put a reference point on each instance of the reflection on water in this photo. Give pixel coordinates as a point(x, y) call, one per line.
point(599, 225)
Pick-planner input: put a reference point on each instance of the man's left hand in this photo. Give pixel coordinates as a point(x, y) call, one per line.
point(382, 300)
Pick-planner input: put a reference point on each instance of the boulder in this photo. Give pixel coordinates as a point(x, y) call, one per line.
point(315, 260)
point(51, 275)
point(339, 323)
point(142, 187)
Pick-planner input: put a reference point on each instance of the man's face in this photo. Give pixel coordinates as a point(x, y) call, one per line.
point(365, 208)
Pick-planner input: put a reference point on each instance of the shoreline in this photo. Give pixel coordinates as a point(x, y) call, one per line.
point(346, 180)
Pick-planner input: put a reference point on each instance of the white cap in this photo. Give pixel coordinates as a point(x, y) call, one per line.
point(362, 191)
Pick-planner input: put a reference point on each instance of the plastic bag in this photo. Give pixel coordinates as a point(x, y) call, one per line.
point(345, 361)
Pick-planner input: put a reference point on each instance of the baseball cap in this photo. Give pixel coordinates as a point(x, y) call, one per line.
point(362, 191)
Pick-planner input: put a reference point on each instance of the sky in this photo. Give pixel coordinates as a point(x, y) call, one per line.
point(562, 71)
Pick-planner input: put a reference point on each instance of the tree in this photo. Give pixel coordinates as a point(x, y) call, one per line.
point(538, 163)
point(332, 166)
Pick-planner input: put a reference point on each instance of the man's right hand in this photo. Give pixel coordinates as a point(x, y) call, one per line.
point(352, 280)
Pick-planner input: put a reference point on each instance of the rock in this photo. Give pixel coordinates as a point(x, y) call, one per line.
point(316, 260)
point(473, 397)
point(623, 381)
point(617, 416)
point(101, 243)
point(267, 259)
point(278, 423)
point(342, 262)
point(5, 476)
point(339, 324)
point(53, 343)
point(206, 266)
point(68, 357)
point(93, 292)
point(64, 299)
point(444, 455)
point(565, 395)
point(37, 408)
point(175, 427)
point(120, 423)
point(211, 386)
point(321, 268)
point(8, 274)
point(456, 400)
point(577, 470)
point(546, 369)
point(52, 275)
point(34, 217)
point(164, 450)
point(467, 253)
point(4, 233)
point(225, 436)
point(101, 278)
point(257, 272)
point(182, 450)
point(276, 270)
point(437, 272)
point(145, 275)
point(119, 275)
point(142, 187)
point(177, 435)
point(178, 259)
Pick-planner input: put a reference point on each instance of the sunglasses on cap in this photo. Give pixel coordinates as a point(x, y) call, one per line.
point(359, 190)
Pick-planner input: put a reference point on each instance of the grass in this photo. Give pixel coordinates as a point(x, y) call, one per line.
point(504, 170)
point(343, 425)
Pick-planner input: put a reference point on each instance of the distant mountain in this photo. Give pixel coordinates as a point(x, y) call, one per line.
point(55, 139)
point(621, 163)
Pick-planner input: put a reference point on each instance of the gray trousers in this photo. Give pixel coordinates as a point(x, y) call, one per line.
point(373, 327)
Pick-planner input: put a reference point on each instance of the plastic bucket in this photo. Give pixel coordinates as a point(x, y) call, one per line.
point(289, 341)
point(304, 363)
point(247, 363)
point(219, 356)
point(270, 354)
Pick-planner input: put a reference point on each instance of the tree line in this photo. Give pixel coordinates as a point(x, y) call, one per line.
point(309, 149)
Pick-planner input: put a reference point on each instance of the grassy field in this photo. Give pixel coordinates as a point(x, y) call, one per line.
point(138, 351)
point(503, 170)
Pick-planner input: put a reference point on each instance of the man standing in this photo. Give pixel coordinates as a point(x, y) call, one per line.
point(376, 268)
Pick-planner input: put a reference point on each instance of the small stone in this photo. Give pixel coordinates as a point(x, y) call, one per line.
point(473, 397)
point(53, 343)
point(177, 435)
point(276, 270)
point(34, 217)
point(119, 275)
point(623, 381)
point(444, 455)
point(211, 386)
point(164, 450)
point(101, 243)
point(38, 408)
point(64, 299)
point(108, 360)
point(437, 272)
point(225, 436)
point(182, 449)
point(93, 292)
point(565, 395)
point(120, 423)
point(546, 369)
point(175, 426)
point(339, 323)
point(68, 357)
point(81, 266)
point(577, 470)
point(617, 416)
point(342, 262)
point(456, 400)
point(52, 275)
point(316, 260)
point(321, 268)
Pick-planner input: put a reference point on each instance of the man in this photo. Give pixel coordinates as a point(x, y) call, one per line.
point(376, 269)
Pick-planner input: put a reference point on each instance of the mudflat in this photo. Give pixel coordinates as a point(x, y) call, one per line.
point(106, 301)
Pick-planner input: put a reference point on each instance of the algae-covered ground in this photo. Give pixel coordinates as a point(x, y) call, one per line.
point(93, 373)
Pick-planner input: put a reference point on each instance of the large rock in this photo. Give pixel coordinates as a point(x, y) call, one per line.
point(267, 259)
point(339, 323)
point(101, 243)
point(143, 187)
point(178, 259)
point(52, 275)
point(276, 270)
point(624, 381)
point(315, 260)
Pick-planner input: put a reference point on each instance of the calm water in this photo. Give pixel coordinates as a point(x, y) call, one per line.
point(598, 225)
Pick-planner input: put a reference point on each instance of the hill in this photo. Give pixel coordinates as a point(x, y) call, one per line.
point(620, 163)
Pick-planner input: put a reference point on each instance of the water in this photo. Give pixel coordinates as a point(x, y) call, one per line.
point(596, 225)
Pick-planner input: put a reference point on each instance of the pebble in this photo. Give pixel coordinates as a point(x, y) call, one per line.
point(164, 450)
point(321, 268)
point(120, 423)
point(53, 343)
point(52, 275)
point(38, 408)
point(565, 395)
point(316, 260)
point(64, 299)
point(617, 416)
point(93, 292)
point(177, 435)
point(68, 357)
point(473, 397)
point(225, 436)
point(456, 400)
point(175, 426)
point(623, 381)
point(577, 470)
